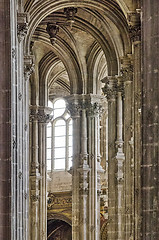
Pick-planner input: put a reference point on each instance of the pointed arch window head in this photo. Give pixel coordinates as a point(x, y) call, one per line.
point(59, 137)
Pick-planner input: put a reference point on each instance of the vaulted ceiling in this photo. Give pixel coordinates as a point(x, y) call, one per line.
point(83, 50)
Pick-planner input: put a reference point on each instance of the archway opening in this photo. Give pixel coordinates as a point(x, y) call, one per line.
point(58, 230)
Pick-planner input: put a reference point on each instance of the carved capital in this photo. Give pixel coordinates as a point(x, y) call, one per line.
point(94, 108)
point(40, 114)
point(135, 33)
point(28, 66)
point(134, 26)
point(89, 102)
point(110, 88)
point(127, 73)
point(22, 25)
point(44, 114)
point(74, 109)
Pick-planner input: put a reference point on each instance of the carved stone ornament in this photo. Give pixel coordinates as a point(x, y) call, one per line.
point(70, 14)
point(110, 88)
point(22, 26)
point(127, 73)
point(57, 201)
point(135, 33)
point(83, 170)
point(52, 30)
point(74, 109)
point(34, 197)
point(134, 26)
point(29, 66)
point(94, 108)
point(40, 114)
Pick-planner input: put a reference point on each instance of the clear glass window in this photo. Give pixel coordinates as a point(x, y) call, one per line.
point(59, 137)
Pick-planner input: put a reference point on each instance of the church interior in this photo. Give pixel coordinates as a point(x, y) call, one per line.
point(79, 120)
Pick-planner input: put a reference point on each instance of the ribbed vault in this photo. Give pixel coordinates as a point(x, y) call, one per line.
point(99, 36)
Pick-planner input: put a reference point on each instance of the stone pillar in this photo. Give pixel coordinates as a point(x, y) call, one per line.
point(74, 108)
point(20, 124)
point(110, 90)
point(120, 158)
point(86, 168)
point(43, 118)
point(135, 35)
point(150, 121)
point(6, 143)
point(34, 175)
point(127, 75)
point(39, 116)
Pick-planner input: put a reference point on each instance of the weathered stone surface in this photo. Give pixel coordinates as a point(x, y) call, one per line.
point(5, 122)
point(150, 121)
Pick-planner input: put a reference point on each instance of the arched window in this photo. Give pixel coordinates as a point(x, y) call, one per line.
point(59, 137)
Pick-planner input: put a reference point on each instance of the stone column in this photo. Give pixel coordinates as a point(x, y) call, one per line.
point(94, 109)
point(120, 158)
point(135, 35)
point(150, 121)
point(127, 75)
point(74, 108)
point(110, 90)
point(34, 175)
point(86, 166)
point(6, 143)
point(43, 118)
point(20, 125)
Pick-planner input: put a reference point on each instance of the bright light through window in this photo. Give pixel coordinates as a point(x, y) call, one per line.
point(59, 137)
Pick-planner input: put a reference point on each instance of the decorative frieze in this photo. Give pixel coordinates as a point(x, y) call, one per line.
point(59, 201)
point(22, 25)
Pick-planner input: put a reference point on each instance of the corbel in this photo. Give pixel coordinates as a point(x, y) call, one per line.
point(22, 25)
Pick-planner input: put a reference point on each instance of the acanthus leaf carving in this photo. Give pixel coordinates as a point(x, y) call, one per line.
point(110, 88)
point(40, 114)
